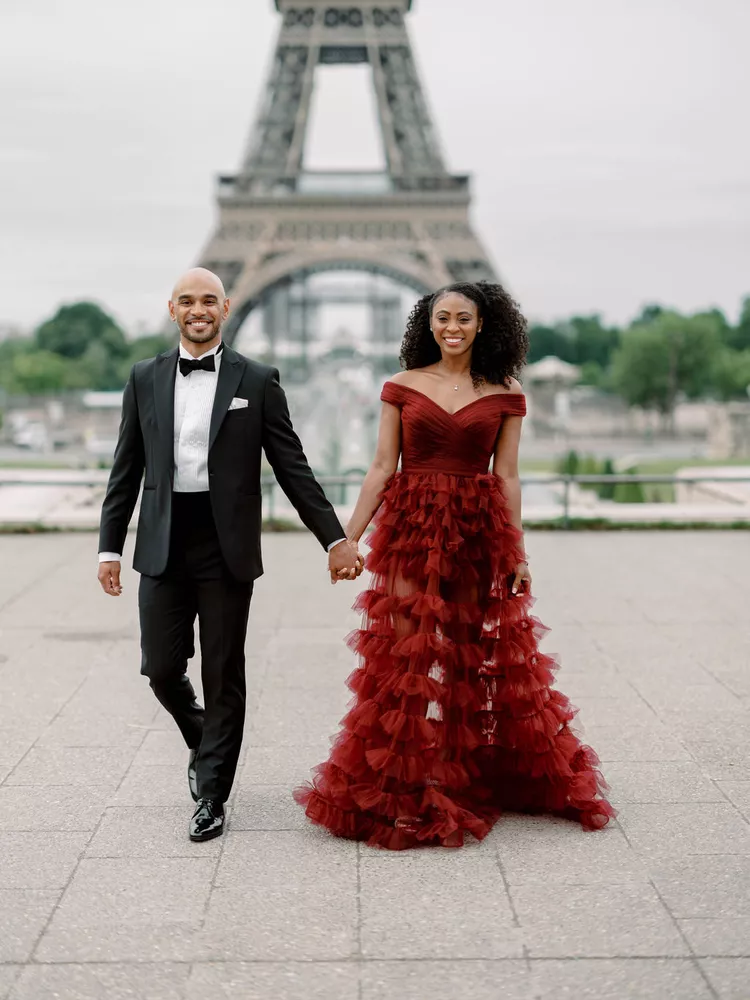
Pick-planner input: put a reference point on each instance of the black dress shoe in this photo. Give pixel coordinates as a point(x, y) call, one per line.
point(193, 774)
point(208, 820)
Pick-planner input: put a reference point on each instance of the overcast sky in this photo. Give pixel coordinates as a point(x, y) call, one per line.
point(611, 164)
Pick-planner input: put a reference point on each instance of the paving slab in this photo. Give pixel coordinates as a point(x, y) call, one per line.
point(543, 851)
point(412, 906)
point(39, 860)
point(729, 977)
point(282, 896)
point(24, 914)
point(282, 981)
point(619, 979)
point(564, 921)
point(8, 975)
point(508, 979)
point(142, 981)
point(103, 895)
point(678, 828)
point(120, 909)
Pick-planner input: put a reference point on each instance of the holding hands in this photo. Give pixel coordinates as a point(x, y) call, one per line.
point(345, 562)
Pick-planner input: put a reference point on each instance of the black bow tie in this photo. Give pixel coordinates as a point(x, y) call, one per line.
point(206, 364)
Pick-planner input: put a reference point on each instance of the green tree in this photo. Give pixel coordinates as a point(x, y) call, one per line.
point(592, 373)
point(547, 340)
point(738, 336)
point(569, 465)
point(141, 348)
point(607, 490)
point(73, 328)
point(34, 372)
point(731, 374)
point(669, 356)
point(149, 346)
point(648, 314)
point(591, 340)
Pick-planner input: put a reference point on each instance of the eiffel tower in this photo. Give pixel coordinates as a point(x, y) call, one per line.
point(278, 221)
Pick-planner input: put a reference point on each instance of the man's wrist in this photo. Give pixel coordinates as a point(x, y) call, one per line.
point(334, 544)
point(110, 557)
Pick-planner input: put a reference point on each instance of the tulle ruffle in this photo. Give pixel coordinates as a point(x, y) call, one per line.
point(454, 718)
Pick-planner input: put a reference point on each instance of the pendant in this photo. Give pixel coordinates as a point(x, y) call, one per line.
point(455, 388)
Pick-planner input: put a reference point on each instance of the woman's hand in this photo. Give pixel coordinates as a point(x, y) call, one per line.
point(522, 580)
point(343, 562)
point(359, 563)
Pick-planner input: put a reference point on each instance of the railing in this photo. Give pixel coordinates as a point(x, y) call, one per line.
point(335, 486)
point(331, 483)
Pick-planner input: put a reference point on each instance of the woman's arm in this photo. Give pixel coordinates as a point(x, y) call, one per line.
point(505, 466)
point(383, 466)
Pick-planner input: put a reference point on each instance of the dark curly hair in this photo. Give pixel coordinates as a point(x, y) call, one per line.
point(500, 347)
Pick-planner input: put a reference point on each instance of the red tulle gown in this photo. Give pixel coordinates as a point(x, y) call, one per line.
point(454, 718)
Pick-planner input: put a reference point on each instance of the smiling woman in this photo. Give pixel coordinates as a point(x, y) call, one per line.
point(467, 310)
point(455, 717)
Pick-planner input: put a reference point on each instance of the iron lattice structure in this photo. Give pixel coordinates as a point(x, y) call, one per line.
point(277, 220)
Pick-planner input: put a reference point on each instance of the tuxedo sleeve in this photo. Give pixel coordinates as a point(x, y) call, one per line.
point(284, 451)
point(125, 477)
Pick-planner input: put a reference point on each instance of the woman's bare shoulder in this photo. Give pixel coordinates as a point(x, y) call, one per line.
point(512, 388)
point(408, 378)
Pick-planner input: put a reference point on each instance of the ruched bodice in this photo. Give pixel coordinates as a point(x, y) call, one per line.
point(461, 443)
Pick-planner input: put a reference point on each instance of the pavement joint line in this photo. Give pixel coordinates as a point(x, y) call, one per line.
point(503, 876)
point(77, 865)
point(219, 856)
point(745, 819)
point(362, 960)
point(721, 682)
point(359, 900)
point(696, 964)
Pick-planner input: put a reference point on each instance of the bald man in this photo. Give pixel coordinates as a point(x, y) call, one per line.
point(195, 421)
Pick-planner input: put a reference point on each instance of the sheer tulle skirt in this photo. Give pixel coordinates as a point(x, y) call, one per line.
point(453, 718)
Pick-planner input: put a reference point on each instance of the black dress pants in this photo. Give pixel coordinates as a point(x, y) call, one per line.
point(198, 584)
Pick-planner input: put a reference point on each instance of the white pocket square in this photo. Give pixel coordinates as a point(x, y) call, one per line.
point(238, 403)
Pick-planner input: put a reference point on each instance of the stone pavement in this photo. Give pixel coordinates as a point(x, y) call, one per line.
point(103, 896)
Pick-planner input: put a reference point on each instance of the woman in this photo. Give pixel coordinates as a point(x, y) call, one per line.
point(454, 717)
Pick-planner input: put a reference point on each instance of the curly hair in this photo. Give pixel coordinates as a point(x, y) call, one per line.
point(500, 348)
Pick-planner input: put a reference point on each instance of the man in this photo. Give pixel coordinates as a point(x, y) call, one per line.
point(194, 421)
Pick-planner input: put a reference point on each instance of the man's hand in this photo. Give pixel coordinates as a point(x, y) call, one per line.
point(109, 578)
point(345, 562)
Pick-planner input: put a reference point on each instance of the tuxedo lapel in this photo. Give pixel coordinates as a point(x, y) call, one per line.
point(230, 376)
point(165, 371)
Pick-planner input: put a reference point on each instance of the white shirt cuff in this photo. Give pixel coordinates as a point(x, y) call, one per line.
point(333, 544)
point(109, 557)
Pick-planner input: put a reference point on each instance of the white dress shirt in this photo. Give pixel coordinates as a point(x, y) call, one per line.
point(193, 404)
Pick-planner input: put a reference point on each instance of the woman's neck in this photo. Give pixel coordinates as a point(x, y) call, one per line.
point(455, 367)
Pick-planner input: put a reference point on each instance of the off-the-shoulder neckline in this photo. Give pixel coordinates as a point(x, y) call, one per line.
point(474, 402)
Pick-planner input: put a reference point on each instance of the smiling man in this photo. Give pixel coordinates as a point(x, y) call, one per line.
point(195, 422)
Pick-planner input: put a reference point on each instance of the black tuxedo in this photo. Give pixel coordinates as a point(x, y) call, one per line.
point(146, 444)
point(199, 553)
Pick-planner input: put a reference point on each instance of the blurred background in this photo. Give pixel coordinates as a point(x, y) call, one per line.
point(333, 161)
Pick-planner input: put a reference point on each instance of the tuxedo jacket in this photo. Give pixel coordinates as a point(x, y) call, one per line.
point(145, 451)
